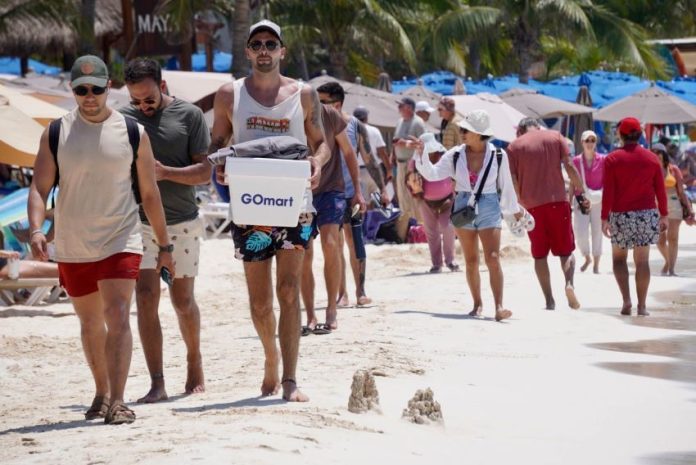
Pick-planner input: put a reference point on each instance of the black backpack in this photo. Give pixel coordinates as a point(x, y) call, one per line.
point(133, 138)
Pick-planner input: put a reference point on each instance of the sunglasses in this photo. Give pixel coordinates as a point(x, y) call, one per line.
point(84, 90)
point(147, 101)
point(328, 102)
point(591, 140)
point(269, 45)
point(463, 131)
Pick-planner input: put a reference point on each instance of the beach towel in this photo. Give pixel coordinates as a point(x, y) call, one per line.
point(280, 147)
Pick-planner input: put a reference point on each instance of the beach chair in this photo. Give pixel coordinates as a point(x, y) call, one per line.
point(40, 289)
point(215, 215)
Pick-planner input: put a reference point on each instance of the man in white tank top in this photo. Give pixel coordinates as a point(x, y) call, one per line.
point(268, 104)
point(98, 241)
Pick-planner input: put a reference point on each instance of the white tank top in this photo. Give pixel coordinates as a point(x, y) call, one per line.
point(96, 213)
point(251, 121)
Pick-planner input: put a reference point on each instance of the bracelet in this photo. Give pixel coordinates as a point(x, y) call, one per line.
point(36, 231)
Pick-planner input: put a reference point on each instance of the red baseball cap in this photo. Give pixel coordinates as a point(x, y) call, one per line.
point(629, 125)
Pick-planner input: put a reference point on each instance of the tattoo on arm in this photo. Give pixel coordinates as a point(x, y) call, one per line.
point(316, 111)
point(216, 144)
point(375, 172)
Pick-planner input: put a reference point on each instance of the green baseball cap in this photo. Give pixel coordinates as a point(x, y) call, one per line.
point(89, 69)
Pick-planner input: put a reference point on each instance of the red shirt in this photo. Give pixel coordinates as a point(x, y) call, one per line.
point(632, 180)
point(535, 163)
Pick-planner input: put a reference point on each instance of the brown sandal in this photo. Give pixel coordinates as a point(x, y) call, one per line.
point(98, 409)
point(118, 414)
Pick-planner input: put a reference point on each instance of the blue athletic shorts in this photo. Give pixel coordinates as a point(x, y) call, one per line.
point(330, 207)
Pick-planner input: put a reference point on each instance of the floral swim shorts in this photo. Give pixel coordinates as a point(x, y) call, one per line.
point(258, 243)
point(631, 229)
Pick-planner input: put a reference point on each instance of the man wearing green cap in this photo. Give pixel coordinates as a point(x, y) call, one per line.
point(102, 163)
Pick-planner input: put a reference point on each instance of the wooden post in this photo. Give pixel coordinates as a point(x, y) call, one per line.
point(127, 10)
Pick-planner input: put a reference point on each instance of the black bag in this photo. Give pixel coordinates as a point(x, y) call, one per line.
point(467, 214)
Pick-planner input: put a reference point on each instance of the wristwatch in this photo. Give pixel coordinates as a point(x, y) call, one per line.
point(166, 248)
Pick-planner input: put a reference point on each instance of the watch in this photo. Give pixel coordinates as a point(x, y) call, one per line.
point(166, 248)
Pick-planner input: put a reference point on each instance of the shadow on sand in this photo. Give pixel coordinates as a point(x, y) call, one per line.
point(248, 402)
point(449, 316)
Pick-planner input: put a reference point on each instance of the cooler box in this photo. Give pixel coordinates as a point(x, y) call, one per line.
point(266, 192)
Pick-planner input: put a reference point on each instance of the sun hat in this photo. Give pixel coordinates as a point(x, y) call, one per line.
point(424, 106)
point(431, 145)
point(477, 121)
point(89, 69)
point(586, 134)
point(265, 25)
point(629, 125)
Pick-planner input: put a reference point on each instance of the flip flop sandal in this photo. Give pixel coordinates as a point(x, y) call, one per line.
point(98, 409)
point(119, 414)
point(528, 221)
point(516, 226)
point(322, 328)
point(306, 331)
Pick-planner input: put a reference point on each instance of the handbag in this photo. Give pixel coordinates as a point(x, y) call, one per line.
point(467, 214)
point(594, 196)
point(414, 183)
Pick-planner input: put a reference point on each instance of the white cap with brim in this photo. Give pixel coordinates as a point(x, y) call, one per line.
point(431, 144)
point(265, 25)
point(477, 121)
point(424, 106)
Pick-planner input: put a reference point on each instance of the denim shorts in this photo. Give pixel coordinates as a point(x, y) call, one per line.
point(488, 213)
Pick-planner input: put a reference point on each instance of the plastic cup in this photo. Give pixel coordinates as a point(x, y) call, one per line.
point(13, 268)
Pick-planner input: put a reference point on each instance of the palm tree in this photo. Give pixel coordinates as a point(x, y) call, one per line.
point(341, 26)
point(86, 27)
point(242, 22)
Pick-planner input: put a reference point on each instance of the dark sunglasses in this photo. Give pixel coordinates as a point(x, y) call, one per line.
point(147, 101)
point(84, 90)
point(269, 45)
point(328, 102)
point(591, 140)
point(463, 131)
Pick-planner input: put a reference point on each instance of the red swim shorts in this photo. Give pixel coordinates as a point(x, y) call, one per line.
point(553, 230)
point(80, 279)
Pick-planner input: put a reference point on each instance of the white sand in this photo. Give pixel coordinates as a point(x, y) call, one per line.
point(529, 390)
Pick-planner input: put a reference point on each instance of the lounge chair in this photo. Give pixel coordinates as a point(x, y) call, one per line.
point(215, 215)
point(40, 289)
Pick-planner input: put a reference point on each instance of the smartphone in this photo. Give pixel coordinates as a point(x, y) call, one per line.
point(166, 276)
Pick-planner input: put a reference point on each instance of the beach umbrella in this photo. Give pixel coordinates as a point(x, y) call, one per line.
point(582, 122)
point(40, 111)
point(383, 106)
point(19, 137)
point(458, 88)
point(541, 106)
point(384, 82)
point(420, 92)
point(652, 105)
point(504, 117)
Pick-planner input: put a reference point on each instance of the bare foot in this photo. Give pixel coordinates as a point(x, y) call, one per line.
point(291, 393)
point(195, 383)
point(270, 384)
point(643, 312)
point(587, 263)
point(665, 270)
point(478, 309)
point(502, 314)
point(364, 300)
point(343, 301)
point(331, 319)
point(626, 309)
point(156, 394)
point(572, 299)
point(312, 323)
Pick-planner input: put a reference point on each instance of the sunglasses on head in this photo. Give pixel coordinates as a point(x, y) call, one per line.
point(269, 45)
point(84, 90)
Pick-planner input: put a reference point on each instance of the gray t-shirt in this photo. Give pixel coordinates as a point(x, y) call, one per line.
point(177, 133)
point(413, 127)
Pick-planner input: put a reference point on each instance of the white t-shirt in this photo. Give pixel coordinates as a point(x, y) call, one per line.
point(376, 142)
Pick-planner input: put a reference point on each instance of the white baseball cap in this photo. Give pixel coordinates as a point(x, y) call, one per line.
point(424, 106)
point(477, 121)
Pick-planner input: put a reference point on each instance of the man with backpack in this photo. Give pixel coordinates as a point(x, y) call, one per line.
point(103, 164)
point(180, 140)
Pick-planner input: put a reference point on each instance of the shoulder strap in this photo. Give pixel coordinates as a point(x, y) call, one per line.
point(482, 181)
point(499, 159)
point(134, 140)
point(53, 140)
point(456, 159)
